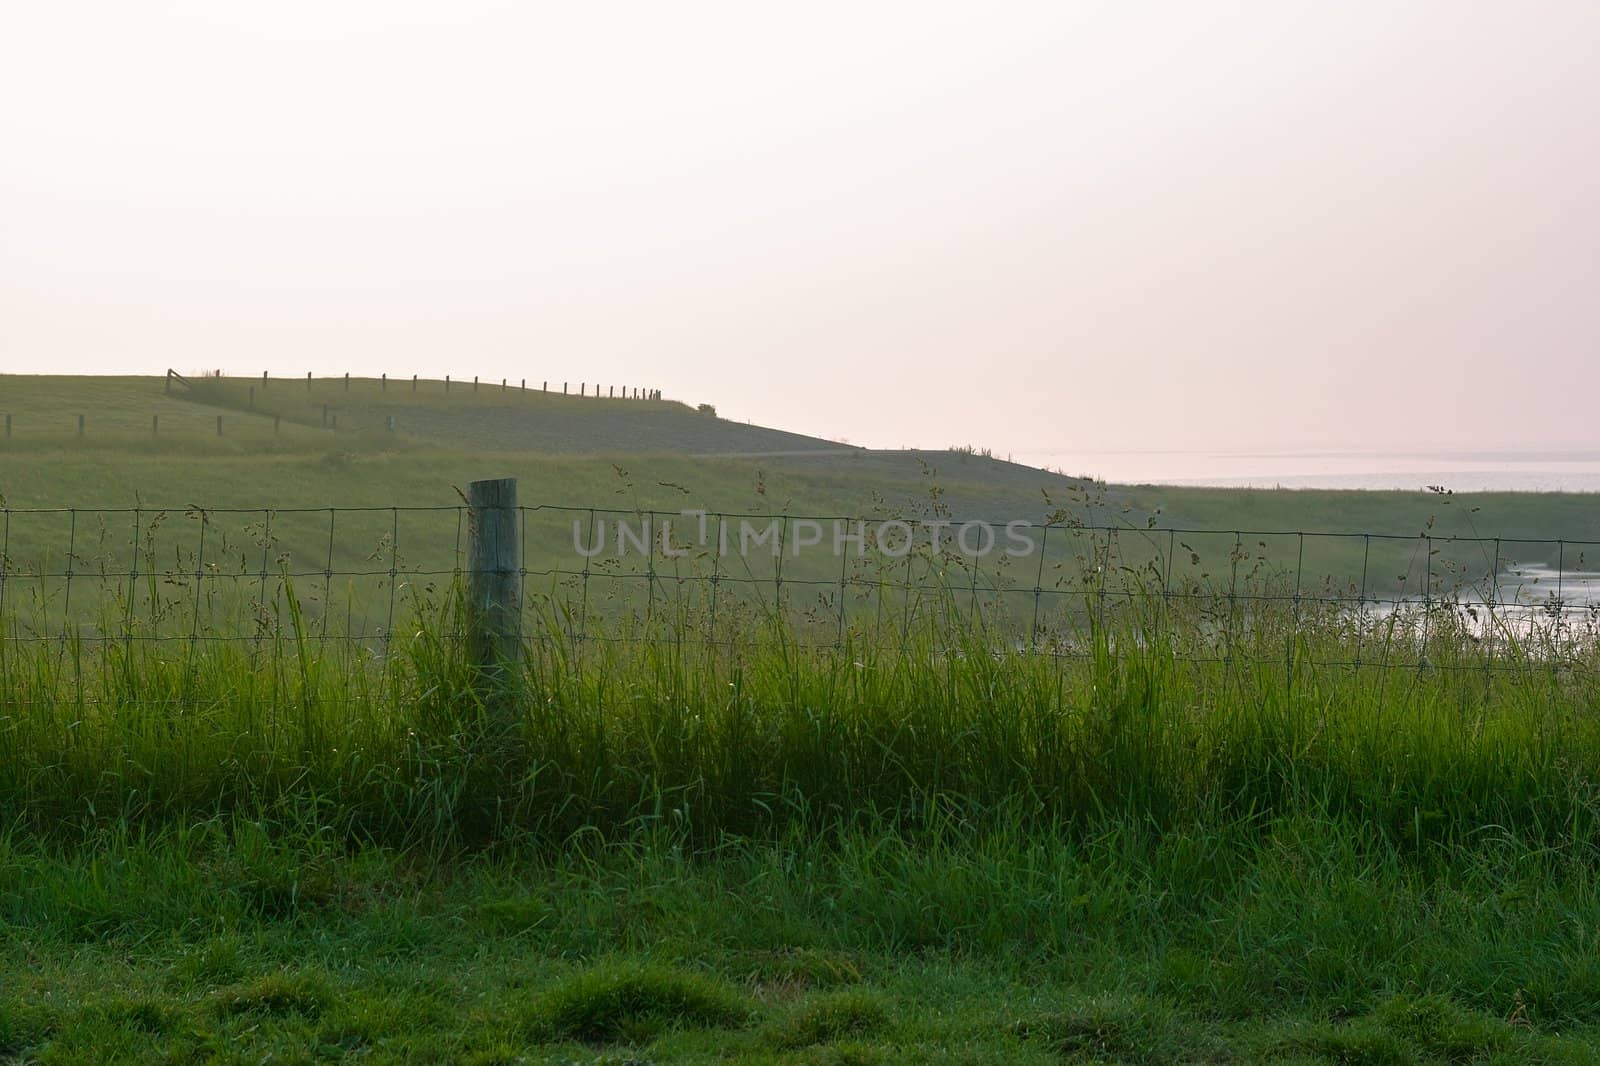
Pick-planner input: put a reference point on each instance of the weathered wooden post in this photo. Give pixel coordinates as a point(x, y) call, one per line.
point(447, 383)
point(308, 381)
point(347, 381)
point(494, 577)
point(383, 382)
point(413, 383)
point(263, 381)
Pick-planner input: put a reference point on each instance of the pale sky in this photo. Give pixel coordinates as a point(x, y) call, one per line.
point(1270, 225)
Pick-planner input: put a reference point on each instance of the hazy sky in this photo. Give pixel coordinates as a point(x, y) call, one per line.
point(1031, 227)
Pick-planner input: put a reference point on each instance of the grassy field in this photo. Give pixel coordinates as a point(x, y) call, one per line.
point(1289, 836)
point(634, 455)
point(881, 851)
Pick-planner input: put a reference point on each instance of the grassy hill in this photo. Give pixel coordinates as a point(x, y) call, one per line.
point(286, 444)
point(501, 418)
point(275, 450)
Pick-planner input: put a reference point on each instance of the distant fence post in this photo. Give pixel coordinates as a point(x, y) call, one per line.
point(494, 577)
point(347, 381)
point(383, 382)
point(263, 381)
point(308, 381)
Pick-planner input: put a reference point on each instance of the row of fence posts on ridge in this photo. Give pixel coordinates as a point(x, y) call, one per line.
point(627, 392)
point(330, 419)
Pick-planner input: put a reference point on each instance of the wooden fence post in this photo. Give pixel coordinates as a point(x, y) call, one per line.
point(308, 381)
point(494, 576)
point(413, 383)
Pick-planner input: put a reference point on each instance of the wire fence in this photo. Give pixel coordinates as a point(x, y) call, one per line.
point(356, 577)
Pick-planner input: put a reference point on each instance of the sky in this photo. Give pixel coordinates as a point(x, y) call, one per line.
point(1038, 229)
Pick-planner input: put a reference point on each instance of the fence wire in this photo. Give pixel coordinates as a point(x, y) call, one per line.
point(352, 578)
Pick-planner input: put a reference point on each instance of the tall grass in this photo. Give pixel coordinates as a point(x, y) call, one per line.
point(1422, 746)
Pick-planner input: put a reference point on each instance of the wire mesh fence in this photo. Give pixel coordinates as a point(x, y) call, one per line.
point(354, 577)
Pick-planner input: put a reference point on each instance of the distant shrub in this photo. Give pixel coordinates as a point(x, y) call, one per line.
point(707, 409)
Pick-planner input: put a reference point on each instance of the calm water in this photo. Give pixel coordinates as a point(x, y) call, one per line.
point(1547, 471)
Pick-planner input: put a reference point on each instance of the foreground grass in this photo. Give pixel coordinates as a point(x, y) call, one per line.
point(907, 845)
point(1301, 941)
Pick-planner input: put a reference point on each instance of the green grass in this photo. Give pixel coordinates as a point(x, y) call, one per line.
point(877, 851)
point(1305, 942)
point(1178, 841)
